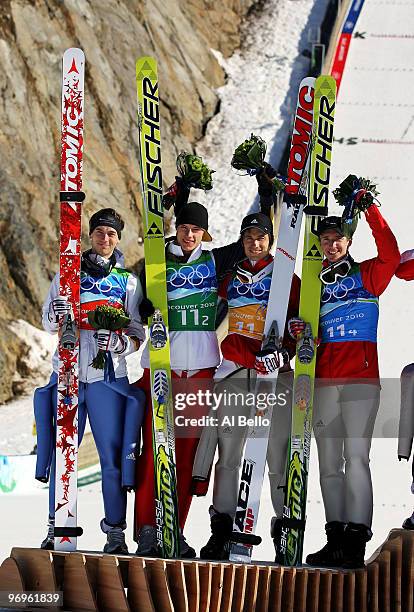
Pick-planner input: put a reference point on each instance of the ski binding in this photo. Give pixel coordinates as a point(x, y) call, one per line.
point(157, 331)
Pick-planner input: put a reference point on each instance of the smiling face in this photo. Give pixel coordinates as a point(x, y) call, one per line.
point(334, 245)
point(189, 236)
point(256, 244)
point(104, 240)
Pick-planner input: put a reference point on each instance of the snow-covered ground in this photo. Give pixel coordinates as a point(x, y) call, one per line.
point(259, 97)
point(375, 104)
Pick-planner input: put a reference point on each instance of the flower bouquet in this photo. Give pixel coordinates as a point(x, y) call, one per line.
point(106, 317)
point(193, 172)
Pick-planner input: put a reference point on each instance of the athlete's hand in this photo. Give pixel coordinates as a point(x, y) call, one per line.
point(363, 200)
point(296, 327)
point(268, 361)
point(199, 487)
point(146, 310)
point(264, 180)
point(59, 307)
point(110, 341)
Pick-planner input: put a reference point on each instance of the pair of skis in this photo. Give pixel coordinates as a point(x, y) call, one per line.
point(309, 158)
point(294, 512)
point(71, 198)
point(166, 506)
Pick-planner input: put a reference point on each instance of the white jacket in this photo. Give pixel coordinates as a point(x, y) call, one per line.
point(189, 350)
point(88, 348)
point(406, 426)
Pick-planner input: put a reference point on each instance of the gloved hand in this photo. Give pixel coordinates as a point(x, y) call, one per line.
point(296, 327)
point(146, 310)
point(363, 200)
point(264, 180)
point(59, 307)
point(111, 341)
point(199, 487)
point(269, 360)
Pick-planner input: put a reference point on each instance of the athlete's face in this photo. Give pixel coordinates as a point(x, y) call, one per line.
point(104, 240)
point(256, 244)
point(189, 236)
point(334, 245)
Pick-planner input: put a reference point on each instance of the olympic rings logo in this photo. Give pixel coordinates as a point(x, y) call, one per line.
point(339, 291)
point(256, 290)
point(195, 276)
point(103, 285)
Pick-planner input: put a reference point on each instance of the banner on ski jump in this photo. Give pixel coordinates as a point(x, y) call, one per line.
point(17, 475)
point(344, 41)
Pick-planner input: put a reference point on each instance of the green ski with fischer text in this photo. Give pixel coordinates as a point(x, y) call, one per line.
point(294, 512)
point(166, 508)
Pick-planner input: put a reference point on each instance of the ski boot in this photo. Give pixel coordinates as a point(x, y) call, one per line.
point(49, 541)
point(276, 534)
point(115, 538)
point(356, 537)
point(147, 542)
point(332, 554)
point(217, 548)
point(186, 551)
point(409, 522)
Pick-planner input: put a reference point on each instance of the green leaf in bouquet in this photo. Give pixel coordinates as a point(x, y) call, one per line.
point(122, 322)
point(350, 228)
point(278, 185)
point(255, 155)
point(98, 362)
point(194, 172)
point(352, 182)
point(108, 317)
point(250, 154)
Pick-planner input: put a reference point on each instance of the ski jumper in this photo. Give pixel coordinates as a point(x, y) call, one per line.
point(247, 304)
point(406, 428)
point(115, 409)
point(347, 388)
point(192, 302)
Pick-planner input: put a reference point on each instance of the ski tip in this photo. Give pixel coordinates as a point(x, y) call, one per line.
point(307, 82)
point(146, 66)
point(326, 84)
point(74, 52)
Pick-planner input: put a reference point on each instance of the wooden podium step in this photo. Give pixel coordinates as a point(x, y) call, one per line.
point(121, 583)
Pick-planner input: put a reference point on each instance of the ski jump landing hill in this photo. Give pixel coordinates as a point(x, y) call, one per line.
point(375, 138)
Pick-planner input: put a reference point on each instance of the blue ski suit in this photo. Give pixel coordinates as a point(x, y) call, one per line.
point(115, 409)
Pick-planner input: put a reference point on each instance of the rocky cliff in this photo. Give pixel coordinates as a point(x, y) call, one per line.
point(112, 33)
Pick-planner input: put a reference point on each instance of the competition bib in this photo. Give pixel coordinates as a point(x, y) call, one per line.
point(248, 304)
point(107, 290)
point(192, 294)
point(348, 311)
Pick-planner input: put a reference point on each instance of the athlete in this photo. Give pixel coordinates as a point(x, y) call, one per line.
point(347, 391)
point(246, 290)
point(192, 281)
point(115, 409)
point(406, 430)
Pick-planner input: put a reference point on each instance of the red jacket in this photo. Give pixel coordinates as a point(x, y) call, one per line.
point(242, 350)
point(406, 268)
point(344, 360)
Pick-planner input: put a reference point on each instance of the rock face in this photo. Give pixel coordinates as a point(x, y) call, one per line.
point(112, 33)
